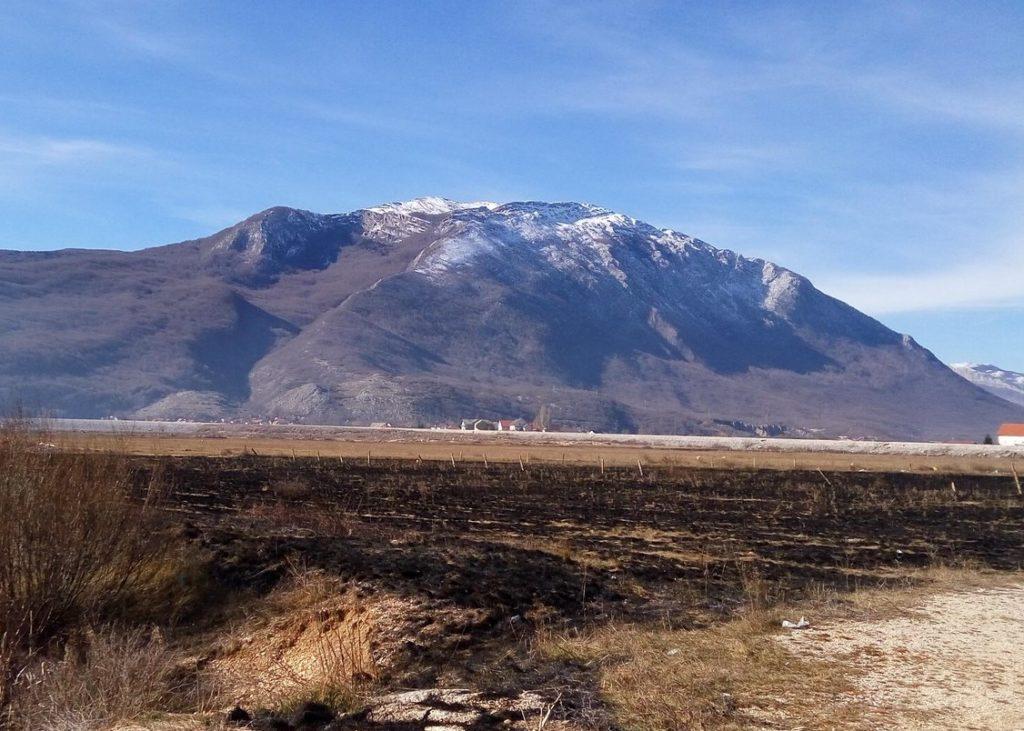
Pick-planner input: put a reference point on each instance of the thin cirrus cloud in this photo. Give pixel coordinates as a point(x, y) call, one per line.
point(36, 167)
point(999, 108)
point(135, 39)
point(34, 150)
point(993, 280)
point(740, 158)
point(637, 73)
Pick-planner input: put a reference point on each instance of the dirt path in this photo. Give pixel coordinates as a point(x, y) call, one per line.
point(956, 661)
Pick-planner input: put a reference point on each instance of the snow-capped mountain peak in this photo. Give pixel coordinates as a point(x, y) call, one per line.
point(430, 206)
point(1005, 384)
point(431, 310)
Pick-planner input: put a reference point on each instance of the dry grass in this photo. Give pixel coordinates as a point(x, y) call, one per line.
point(734, 674)
point(106, 677)
point(908, 588)
point(722, 677)
point(298, 519)
point(353, 447)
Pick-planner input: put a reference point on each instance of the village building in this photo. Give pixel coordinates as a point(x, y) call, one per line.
point(512, 425)
point(1011, 435)
point(479, 425)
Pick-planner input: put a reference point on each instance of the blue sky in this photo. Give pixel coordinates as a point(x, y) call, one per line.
point(877, 148)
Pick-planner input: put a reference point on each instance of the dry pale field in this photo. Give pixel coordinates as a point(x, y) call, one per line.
point(469, 447)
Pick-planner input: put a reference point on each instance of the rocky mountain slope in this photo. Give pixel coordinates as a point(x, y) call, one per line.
point(430, 310)
point(1004, 384)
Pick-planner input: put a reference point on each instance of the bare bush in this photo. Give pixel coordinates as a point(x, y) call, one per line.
point(74, 541)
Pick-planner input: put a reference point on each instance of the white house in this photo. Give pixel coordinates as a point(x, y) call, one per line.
point(1011, 435)
point(478, 425)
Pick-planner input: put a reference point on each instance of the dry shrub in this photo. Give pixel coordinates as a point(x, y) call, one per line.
point(106, 677)
point(74, 543)
point(723, 677)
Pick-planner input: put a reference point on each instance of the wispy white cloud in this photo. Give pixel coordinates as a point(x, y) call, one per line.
point(376, 120)
point(32, 166)
point(19, 151)
point(133, 37)
point(973, 104)
point(633, 71)
point(987, 279)
point(68, 107)
point(729, 158)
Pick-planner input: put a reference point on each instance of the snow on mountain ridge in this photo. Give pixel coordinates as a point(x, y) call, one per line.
point(575, 238)
point(1005, 384)
point(589, 242)
point(430, 206)
point(586, 242)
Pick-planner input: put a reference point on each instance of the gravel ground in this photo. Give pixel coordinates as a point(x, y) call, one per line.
point(954, 662)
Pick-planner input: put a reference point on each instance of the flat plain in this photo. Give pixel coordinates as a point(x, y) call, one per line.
point(556, 579)
point(536, 448)
point(460, 581)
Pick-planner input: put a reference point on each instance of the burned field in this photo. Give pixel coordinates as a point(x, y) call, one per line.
point(408, 594)
point(464, 532)
point(507, 549)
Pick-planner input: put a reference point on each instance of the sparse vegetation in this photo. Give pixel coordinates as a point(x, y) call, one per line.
point(77, 545)
point(654, 678)
point(639, 602)
point(311, 642)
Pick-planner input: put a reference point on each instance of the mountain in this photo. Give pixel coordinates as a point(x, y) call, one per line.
point(1004, 384)
point(430, 310)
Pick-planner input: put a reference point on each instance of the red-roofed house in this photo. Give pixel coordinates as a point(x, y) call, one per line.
point(1011, 435)
point(511, 425)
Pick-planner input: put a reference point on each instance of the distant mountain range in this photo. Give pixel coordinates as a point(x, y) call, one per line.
point(430, 311)
point(1004, 384)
